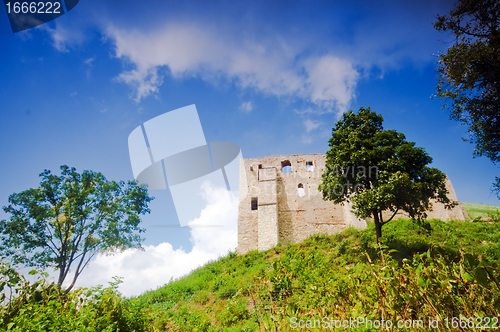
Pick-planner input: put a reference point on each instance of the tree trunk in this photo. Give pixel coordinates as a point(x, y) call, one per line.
point(62, 270)
point(378, 225)
point(66, 291)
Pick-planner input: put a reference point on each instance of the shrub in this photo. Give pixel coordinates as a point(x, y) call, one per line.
point(43, 306)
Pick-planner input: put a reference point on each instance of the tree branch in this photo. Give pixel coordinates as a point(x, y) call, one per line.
point(395, 212)
point(75, 248)
point(51, 236)
point(80, 268)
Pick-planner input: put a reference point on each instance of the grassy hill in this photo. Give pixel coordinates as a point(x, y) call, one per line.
point(445, 273)
point(420, 277)
point(474, 210)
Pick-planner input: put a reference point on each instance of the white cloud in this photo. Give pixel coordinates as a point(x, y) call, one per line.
point(58, 37)
point(311, 125)
point(90, 64)
point(271, 65)
point(89, 61)
point(156, 265)
point(246, 107)
point(63, 36)
point(279, 58)
point(331, 82)
point(221, 209)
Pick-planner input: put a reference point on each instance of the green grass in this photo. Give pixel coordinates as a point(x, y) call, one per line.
point(480, 210)
point(427, 274)
point(478, 238)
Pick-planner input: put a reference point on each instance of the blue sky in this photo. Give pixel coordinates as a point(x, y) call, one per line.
point(270, 76)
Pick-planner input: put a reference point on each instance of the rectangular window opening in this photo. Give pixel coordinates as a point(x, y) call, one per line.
point(255, 204)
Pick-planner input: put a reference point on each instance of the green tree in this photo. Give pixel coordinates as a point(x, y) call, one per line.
point(379, 171)
point(469, 73)
point(70, 218)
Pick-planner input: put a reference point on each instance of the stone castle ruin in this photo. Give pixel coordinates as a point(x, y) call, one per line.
point(280, 202)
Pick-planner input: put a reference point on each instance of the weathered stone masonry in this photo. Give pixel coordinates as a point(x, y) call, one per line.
point(280, 202)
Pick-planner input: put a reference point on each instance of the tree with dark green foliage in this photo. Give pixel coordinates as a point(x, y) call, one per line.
point(70, 218)
point(469, 73)
point(379, 171)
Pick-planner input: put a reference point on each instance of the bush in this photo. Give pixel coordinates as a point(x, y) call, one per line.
point(43, 306)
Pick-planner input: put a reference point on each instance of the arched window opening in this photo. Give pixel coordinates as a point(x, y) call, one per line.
point(300, 190)
point(286, 167)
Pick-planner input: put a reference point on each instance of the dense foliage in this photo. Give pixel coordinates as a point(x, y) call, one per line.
point(478, 211)
point(69, 219)
point(469, 73)
point(379, 171)
point(43, 306)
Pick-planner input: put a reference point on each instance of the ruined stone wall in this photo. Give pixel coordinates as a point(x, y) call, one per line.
point(247, 218)
point(300, 213)
point(290, 207)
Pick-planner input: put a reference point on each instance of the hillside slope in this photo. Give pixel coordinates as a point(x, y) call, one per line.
point(420, 278)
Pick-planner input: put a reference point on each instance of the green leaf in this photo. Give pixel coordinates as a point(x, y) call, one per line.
point(422, 282)
point(482, 277)
point(467, 277)
point(496, 304)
